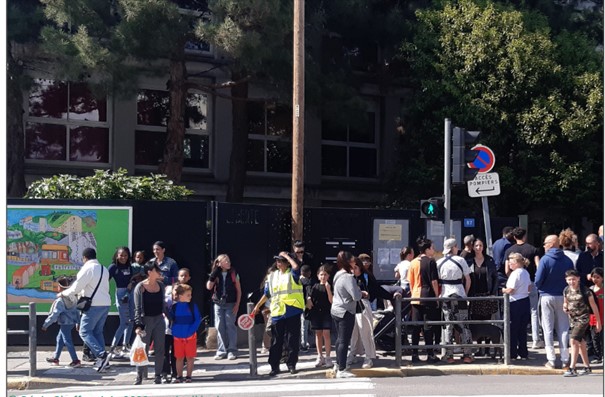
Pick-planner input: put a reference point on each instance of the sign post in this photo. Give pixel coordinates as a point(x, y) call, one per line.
point(484, 184)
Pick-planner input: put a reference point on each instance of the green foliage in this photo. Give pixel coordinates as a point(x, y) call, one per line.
point(106, 185)
point(537, 98)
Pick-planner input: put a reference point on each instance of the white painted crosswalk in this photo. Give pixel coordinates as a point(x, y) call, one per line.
point(353, 387)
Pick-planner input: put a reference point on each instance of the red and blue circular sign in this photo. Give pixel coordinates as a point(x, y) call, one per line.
point(485, 160)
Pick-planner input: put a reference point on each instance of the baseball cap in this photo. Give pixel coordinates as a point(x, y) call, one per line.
point(448, 245)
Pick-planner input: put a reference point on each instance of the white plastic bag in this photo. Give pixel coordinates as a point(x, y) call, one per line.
point(138, 355)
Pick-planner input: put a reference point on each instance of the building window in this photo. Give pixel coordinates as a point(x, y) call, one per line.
point(350, 150)
point(269, 138)
point(153, 112)
point(66, 122)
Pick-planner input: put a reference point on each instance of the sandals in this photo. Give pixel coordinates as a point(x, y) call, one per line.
point(180, 379)
point(188, 379)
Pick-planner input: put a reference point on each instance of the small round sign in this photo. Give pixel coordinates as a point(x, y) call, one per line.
point(485, 159)
point(245, 322)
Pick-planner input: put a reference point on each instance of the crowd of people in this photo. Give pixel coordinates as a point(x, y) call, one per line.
point(555, 292)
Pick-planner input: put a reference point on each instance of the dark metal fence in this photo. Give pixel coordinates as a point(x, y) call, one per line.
point(505, 325)
point(31, 332)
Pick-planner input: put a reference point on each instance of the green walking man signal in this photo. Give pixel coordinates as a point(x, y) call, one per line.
point(431, 208)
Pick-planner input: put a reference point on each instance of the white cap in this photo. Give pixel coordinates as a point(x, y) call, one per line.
point(448, 245)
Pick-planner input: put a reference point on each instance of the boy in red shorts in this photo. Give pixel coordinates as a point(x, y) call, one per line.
point(185, 318)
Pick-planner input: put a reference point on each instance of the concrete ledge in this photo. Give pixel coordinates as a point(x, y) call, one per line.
point(432, 370)
point(27, 383)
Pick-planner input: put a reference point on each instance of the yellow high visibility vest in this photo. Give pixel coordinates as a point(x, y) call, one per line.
point(284, 291)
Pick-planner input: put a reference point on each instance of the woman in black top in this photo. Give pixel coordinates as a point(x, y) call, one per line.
point(148, 317)
point(484, 282)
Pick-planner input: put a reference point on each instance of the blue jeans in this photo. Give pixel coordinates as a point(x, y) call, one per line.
point(224, 322)
point(344, 328)
point(91, 328)
point(64, 339)
point(534, 303)
point(554, 318)
point(126, 312)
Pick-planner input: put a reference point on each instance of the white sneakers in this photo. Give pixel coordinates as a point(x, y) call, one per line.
point(345, 374)
point(367, 363)
point(231, 356)
point(328, 362)
point(537, 345)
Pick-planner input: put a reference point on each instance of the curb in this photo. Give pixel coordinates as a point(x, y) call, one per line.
point(404, 372)
point(33, 383)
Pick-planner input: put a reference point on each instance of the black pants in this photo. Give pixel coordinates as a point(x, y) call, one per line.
point(285, 330)
point(597, 342)
point(432, 333)
point(345, 327)
point(169, 366)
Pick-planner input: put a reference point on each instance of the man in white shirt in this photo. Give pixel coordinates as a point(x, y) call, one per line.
point(93, 276)
point(455, 281)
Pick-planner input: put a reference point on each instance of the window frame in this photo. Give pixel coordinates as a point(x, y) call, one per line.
point(68, 123)
point(372, 107)
point(265, 138)
point(188, 131)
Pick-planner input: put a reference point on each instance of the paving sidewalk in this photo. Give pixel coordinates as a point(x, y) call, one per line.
point(208, 369)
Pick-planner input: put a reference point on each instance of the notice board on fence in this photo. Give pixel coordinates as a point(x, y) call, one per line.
point(389, 237)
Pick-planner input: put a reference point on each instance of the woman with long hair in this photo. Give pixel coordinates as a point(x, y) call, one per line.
point(344, 302)
point(484, 282)
point(226, 296)
point(121, 272)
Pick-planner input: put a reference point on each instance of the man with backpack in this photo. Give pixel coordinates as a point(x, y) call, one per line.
point(455, 281)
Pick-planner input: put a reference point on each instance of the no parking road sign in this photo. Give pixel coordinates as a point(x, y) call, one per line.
point(484, 185)
point(484, 161)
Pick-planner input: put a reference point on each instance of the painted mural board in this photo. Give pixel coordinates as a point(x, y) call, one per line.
point(46, 242)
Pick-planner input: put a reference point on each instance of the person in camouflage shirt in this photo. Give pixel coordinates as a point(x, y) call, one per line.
point(578, 303)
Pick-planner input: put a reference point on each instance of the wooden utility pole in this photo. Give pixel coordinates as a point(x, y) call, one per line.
point(298, 121)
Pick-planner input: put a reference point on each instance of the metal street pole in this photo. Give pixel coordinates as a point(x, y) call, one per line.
point(447, 176)
point(298, 121)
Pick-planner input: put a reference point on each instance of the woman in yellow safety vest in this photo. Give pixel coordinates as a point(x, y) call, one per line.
point(286, 305)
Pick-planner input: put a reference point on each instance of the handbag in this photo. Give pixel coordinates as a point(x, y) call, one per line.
point(84, 302)
point(359, 307)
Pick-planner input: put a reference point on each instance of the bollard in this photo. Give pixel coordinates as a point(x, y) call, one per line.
point(506, 329)
point(33, 340)
point(252, 344)
point(398, 331)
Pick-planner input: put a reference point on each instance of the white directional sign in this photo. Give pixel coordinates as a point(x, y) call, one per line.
point(484, 185)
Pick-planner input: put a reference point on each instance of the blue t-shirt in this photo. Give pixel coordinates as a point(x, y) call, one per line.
point(184, 322)
point(121, 273)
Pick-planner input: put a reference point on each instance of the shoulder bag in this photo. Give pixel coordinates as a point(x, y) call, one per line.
point(85, 302)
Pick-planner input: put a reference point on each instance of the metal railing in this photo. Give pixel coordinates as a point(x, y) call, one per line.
point(32, 332)
point(505, 325)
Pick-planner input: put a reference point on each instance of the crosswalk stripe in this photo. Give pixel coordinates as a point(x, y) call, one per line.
point(312, 386)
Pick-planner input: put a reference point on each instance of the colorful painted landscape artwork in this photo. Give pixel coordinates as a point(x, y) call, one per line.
point(45, 243)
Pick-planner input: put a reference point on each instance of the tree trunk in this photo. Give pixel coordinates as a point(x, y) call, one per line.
point(239, 141)
point(172, 162)
point(15, 167)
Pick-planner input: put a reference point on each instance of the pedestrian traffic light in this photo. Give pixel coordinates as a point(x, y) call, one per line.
point(429, 209)
point(462, 154)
